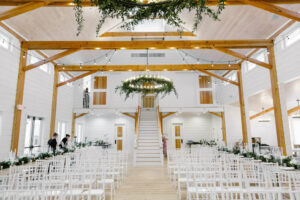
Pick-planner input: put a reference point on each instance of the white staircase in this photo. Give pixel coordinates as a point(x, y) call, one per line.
point(148, 150)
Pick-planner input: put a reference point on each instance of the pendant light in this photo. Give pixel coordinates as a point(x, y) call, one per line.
point(262, 118)
point(297, 115)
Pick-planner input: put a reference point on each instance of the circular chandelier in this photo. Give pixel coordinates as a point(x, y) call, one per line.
point(146, 84)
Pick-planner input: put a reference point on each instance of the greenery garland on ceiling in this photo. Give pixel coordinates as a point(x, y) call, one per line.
point(146, 84)
point(137, 11)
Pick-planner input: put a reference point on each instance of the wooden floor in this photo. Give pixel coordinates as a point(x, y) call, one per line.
point(146, 183)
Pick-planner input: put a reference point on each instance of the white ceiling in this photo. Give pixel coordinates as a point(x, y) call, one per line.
point(58, 24)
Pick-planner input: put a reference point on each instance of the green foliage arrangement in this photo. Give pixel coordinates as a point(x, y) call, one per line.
point(42, 156)
point(136, 11)
point(287, 161)
point(146, 84)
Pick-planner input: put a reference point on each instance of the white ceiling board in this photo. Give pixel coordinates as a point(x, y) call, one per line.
point(58, 23)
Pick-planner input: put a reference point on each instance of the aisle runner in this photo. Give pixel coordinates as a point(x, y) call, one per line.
point(146, 183)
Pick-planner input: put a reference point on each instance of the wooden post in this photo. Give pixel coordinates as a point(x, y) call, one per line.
point(136, 118)
point(276, 101)
point(161, 123)
point(19, 101)
point(54, 102)
point(73, 125)
point(242, 106)
point(224, 128)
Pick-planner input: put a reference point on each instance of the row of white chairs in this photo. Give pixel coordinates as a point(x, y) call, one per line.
point(85, 174)
point(205, 173)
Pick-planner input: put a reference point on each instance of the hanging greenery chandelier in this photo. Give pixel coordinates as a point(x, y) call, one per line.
point(146, 84)
point(133, 12)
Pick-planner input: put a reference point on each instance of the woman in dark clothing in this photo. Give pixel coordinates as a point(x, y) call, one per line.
point(53, 142)
point(64, 141)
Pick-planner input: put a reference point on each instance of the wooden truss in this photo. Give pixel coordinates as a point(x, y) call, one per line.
point(224, 46)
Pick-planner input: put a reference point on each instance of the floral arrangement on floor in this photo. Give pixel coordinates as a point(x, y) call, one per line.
point(286, 161)
point(134, 12)
point(208, 142)
point(42, 156)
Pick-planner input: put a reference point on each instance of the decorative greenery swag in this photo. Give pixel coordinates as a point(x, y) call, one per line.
point(146, 84)
point(133, 12)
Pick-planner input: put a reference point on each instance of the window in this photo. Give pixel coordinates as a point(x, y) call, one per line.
point(261, 57)
point(87, 82)
point(61, 130)
point(79, 133)
point(205, 88)
point(296, 130)
point(32, 135)
point(44, 67)
point(100, 90)
point(63, 78)
point(292, 37)
point(1, 119)
point(233, 77)
point(4, 41)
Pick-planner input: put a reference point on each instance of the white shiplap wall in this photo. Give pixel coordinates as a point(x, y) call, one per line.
point(102, 127)
point(257, 80)
point(37, 98)
point(195, 126)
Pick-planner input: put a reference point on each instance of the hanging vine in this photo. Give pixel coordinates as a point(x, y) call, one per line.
point(136, 12)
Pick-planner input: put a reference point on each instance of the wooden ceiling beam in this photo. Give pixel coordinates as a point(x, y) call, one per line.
point(20, 38)
point(8, 29)
point(220, 77)
point(50, 59)
point(261, 113)
point(226, 73)
point(75, 78)
point(216, 114)
point(290, 111)
point(87, 3)
point(272, 37)
point(80, 115)
point(243, 57)
point(168, 114)
point(282, 29)
point(148, 34)
point(129, 115)
point(183, 67)
point(274, 9)
point(133, 45)
point(21, 9)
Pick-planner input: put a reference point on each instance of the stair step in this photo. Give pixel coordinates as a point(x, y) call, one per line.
point(149, 134)
point(148, 151)
point(147, 141)
point(148, 148)
point(148, 138)
point(148, 155)
point(157, 159)
point(155, 144)
point(143, 163)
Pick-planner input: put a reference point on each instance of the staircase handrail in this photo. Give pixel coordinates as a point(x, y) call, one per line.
point(160, 127)
point(137, 126)
point(160, 133)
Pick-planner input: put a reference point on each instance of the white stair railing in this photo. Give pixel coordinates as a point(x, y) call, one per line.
point(160, 133)
point(137, 125)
